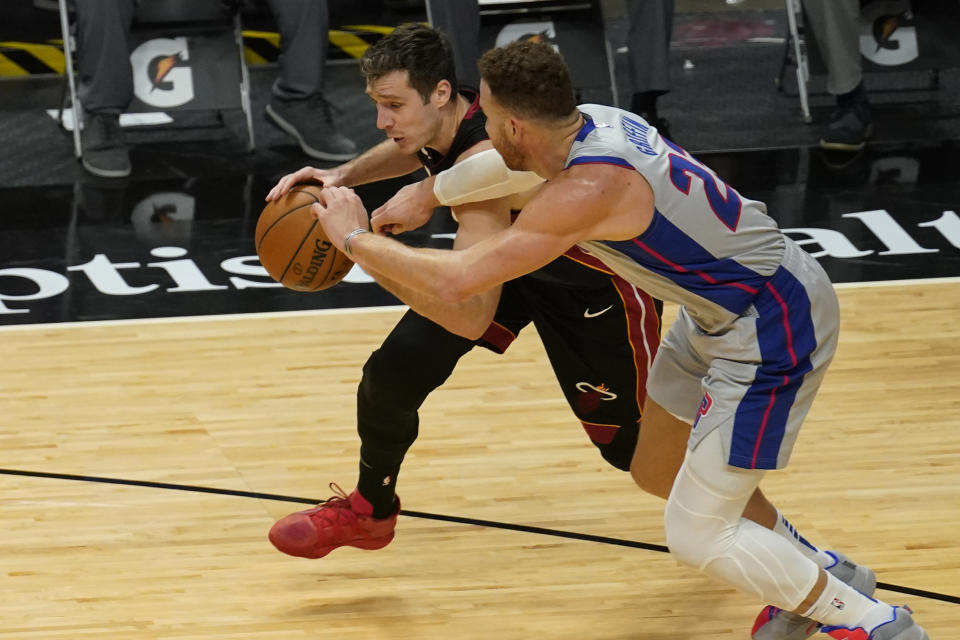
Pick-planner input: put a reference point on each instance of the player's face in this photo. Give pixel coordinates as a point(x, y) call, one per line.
point(401, 112)
point(500, 129)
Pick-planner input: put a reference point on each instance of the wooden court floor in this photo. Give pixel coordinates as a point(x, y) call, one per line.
point(258, 410)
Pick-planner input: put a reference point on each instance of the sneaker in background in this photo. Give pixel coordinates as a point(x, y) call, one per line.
point(850, 126)
point(104, 151)
point(310, 122)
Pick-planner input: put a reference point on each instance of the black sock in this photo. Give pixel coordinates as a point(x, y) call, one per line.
point(378, 486)
point(857, 96)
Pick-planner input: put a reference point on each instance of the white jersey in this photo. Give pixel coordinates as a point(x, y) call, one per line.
point(708, 247)
point(759, 318)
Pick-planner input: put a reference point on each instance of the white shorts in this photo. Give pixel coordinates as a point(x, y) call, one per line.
point(756, 379)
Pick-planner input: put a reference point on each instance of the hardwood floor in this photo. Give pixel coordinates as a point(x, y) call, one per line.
point(265, 404)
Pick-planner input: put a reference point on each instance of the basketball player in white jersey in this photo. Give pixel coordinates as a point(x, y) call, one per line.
point(756, 329)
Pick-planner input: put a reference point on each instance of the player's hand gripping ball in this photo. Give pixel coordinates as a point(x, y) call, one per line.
point(292, 246)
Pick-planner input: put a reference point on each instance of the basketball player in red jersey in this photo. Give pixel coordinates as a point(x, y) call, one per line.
point(432, 123)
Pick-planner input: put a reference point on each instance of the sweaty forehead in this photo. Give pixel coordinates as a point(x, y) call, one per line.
point(395, 84)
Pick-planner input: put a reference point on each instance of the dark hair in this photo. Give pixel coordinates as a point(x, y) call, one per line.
point(423, 52)
point(530, 79)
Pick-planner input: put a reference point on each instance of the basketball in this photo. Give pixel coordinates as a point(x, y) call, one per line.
point(292, 246)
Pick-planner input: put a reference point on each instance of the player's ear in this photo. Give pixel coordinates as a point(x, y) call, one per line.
point(442, 93)
point(516, 128)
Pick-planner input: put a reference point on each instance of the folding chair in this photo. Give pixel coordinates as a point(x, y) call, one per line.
point(896, 35)
point(176, 42)
point(796, 41)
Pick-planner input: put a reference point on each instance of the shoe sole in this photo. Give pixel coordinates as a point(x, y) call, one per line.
point(841, 146)
point(307, 149)
point(105, 173)
point(370, 544)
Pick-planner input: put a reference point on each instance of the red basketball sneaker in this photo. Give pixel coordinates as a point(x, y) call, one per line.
point(341, 520)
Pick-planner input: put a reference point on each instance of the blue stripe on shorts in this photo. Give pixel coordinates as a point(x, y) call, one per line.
point(785, 334)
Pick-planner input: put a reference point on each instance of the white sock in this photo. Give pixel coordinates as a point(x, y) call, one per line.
point(843, 606)
point(787, 530)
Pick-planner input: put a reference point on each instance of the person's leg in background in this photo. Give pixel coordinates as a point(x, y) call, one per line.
point(460, 20)
point(836, 28)
point(648, 44)
point(297, 104)
point(105, 83)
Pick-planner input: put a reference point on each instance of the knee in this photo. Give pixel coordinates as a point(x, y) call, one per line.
point(691, 538)
point(675, 527)
point(386, 381)
point(375, 372)
point(404, 373)
point(699, 531)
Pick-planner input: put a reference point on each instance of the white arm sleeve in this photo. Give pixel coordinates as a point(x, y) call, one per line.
point(482, 176)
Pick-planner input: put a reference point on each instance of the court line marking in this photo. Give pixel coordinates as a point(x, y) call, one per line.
point(204, 318)
point(378, 309)
point(586, 537)
point(897, 283)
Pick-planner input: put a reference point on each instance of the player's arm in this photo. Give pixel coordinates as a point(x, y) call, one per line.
point(482, 175)
point(586, 202)
point(471, 316)
point(380, 162)
point(408, 218)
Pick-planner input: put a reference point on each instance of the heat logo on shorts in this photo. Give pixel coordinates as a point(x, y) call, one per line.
point(590, 398)
point(603, 391)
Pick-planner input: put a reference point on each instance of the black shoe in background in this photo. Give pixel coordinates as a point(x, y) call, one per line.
point(850, 124)
point(310, 122)
point(104, 151)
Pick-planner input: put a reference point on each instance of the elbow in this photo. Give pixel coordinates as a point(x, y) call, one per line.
point(469, 332)
point(474, 327)
point(465, 323)
point(475, 311)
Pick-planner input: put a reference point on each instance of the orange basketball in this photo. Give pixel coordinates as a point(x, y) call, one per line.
point(292, 246)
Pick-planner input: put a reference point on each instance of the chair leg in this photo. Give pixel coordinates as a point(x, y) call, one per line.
point(64, 90)
point(802, 72)
point(71, 79)
point(244, 83)
point(785, 61)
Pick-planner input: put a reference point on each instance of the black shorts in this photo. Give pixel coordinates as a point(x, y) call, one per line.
point(600, 336)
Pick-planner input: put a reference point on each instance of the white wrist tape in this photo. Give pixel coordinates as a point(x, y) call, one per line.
point(482, 176)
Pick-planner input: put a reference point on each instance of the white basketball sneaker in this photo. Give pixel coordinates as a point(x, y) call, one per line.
point(774, 623)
